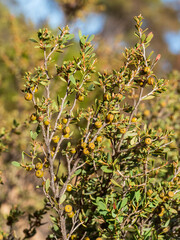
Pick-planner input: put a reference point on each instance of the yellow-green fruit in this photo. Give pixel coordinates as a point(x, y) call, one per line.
point(28, 168)
point(46, 122)
point(99, 238)
point(162, 212)
point(39, 166)
point(74, 236)
point(68, 208)
point(28, 96)
point(69, 187)
point(71, 214)
point(83, 144)
point(55, 139)
point(166, 229)
point(33, 117)
point(91, 146)
point(122, 130)
point(148, 141)
point(119, 96)
point(150, 80)
point(64, 120)
point(81, 98)
point(134, 119)
point(39, 173)
point(87, 238)
point(146, 113)
point(163, 104)
point(149, 192)
point(66, 130)
point(32, 89)
point(52, 153)
point(109, 117)
point(73, 150)
point(161, 194)
point(141, 83)
point(107, 97)
point(85, 151)
point(147, 70)
point(165, 199)
point(99, 139)
point(59, 126)
point(98, 124)
point(66, 135)
point(170, 194)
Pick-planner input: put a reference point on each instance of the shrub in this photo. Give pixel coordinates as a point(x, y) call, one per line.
point(115, 185)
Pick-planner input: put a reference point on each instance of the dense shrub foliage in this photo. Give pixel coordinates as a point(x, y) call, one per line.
point(109, 170)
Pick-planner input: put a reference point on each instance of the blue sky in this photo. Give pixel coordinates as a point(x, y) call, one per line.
point(38, 10)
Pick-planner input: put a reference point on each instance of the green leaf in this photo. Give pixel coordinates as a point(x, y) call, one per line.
point(72, 79)
point(58, 100)
point(101, 205)
point(70, 36)
point(62, 199)
point(106, 170)
point(123, 203)
point(22, 156)
point(91, 87)
point(148, 97)
point(137, 196)
point(172, 210)
point(16, 164)
point(82, 40)
point(91, 38)
point(150, 55)
point(77, 172)
point(143, 37)
point(56, 228)
point(149, 37)
point(48, 45)
point(115, 183)
point(47, 185)
point(33, 135)
point(62, 79)
point(33, 40)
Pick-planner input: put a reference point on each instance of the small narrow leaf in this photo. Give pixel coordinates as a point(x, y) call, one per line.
point(72, 79)
point(77, 172)
point(137, 196)
point(82, 40)
point(70, 36)
point(115, 183)
point(23, 156)
point(33, 40)
point(123, 203)
point(148, 97)
point(91, 38)
point(62, 199)
point(149, 37)
point(105, 169)
point(47, 185)
point(16, 164)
